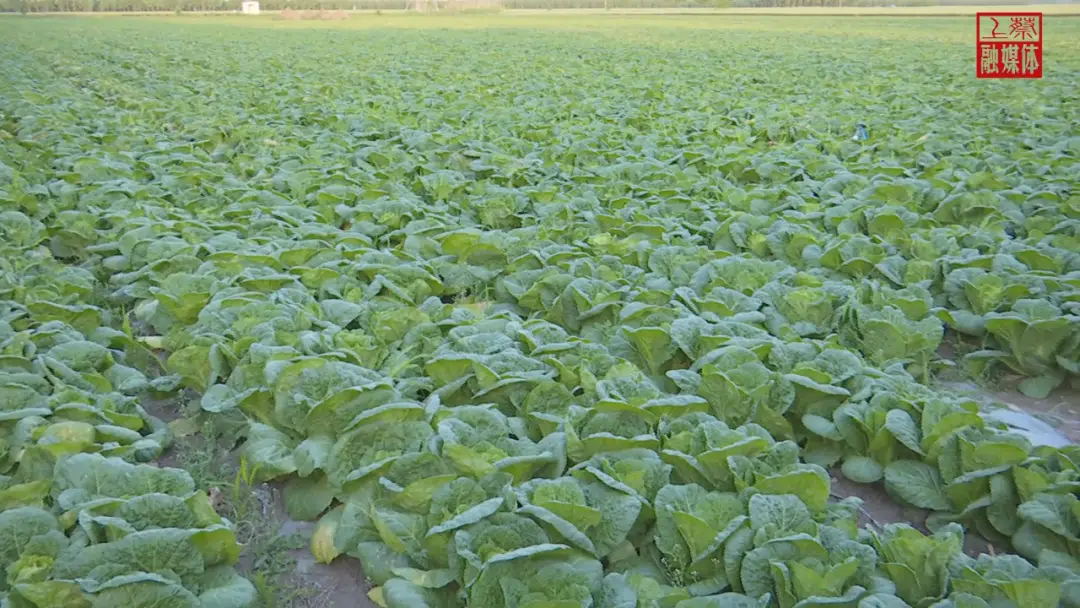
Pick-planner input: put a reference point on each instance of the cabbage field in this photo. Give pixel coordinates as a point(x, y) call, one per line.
point(536, 312)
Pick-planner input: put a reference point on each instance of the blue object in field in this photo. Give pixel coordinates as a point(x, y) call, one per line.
point(861, 134)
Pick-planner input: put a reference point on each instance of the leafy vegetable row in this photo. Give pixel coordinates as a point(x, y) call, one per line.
point(320, 413)
point(83, 522)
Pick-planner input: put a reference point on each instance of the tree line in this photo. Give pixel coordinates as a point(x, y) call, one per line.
point(40, 6)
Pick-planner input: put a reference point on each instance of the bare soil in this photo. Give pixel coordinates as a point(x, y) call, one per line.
point(338, 584)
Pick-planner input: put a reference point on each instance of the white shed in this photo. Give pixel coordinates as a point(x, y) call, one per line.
point(249, 7)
